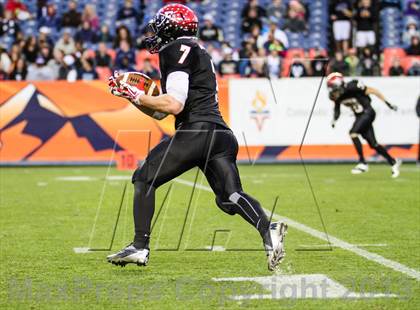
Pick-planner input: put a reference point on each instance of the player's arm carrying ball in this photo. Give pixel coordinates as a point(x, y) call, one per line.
point(143, 95)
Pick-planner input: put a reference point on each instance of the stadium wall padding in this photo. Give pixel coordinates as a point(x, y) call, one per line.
point(82, 123)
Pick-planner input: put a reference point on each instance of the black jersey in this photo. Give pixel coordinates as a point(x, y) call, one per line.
point(354, 96)
point(185, 54)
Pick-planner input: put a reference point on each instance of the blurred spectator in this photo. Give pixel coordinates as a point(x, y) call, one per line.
point(122, 34)
point(66, 43)
point(253, 5)
point(89, 15)
point(125, 65)
point(39, 71)
point(125, 57)
point(353, 62)
point(244, 65)
point(319, 63)
point(50, 19)
point(72, 18)
point(215, 54)
point(341, 14)
point(414, 48)
point(365, 19)
point(410, 31)
point(31, 49)
point(41, 6)
point(259, 63)
point(86, 34)
point(274, 63)
point(55, 63)
point(275, 45)
point(273, 36)
point(276, 11)
point(413, 8)
point(297, 69)
point(251, 20)
point(414, 70)
point(254, 36)
point(150, 70)
point(78, 54)
point(294, 22)
point(228, 66)
point(102, 57)
point(44, 37)
point(15, 52)
point(368, 63)
point(339, 65)
point(210, 32)
point(396, 68)
point(67, 70)
point(18, 9)
point(298, 8)
point(46, 53)
point(87, 71)
point(104, 35)
point(8, 26)
point(5, 63)
point(19, 70)
point(127, 12)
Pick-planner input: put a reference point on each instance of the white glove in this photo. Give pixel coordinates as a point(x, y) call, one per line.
point(124, 90)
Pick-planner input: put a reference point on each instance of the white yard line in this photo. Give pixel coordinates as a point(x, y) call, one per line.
point(358, 245)
point(413, 273)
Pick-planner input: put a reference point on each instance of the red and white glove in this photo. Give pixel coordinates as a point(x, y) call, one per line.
point(124, 90)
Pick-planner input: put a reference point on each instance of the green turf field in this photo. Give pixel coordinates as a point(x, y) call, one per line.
point(373, 222)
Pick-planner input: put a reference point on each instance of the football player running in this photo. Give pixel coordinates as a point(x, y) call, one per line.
point(356, 96)
point(202, 138)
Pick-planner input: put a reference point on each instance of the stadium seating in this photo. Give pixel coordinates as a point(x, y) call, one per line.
point(227, 14)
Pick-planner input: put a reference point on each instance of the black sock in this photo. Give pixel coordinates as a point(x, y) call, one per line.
point(250, 209)
point(143, 209)
point(359, 149)
point(382, 151)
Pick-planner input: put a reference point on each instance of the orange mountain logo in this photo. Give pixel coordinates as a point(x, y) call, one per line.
point(259, 113)
point(36, 120)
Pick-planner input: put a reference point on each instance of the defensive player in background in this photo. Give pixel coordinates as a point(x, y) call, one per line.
point(202, 139)
point(356, 96)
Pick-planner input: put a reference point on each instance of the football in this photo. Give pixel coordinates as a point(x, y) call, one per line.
point(145, 83)
point(141, 81)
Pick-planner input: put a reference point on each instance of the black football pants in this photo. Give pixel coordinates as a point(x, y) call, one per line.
point(364, 126)
point(211, 147)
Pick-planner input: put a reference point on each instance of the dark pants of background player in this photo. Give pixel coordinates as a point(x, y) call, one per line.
point(213, 149)
point(363, 126)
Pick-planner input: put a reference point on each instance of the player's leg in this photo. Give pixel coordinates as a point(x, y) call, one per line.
point(166, 161)
point(354, 135)
point(223, 176)
point(369, 136)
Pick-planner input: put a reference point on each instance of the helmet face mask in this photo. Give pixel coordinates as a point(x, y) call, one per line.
point(153, 41)
point(335, 91)
point(171, 22)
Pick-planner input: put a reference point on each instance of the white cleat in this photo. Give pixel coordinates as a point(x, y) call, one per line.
point(360, 168)
point(275, 251)
point(129, 255)
point(395, 169)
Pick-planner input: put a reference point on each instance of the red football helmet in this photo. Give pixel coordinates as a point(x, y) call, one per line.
point(335, 79)
point(170, 22)
point(335, 84)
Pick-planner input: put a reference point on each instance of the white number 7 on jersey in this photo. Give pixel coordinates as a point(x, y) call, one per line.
point(185, 49)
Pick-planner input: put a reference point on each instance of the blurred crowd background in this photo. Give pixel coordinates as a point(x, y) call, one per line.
point(86, 40)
